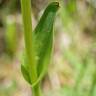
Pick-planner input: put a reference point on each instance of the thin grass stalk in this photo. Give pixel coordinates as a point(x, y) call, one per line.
point(28, 37)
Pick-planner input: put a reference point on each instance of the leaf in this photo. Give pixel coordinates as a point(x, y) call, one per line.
point(44, 36)
point(25, 74)
point(44, 39)
point(43, 43)
point(24, 69)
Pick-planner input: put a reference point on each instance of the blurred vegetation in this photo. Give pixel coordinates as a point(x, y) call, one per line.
point(73, 68)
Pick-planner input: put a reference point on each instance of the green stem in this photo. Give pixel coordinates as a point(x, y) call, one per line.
point(37, 90)
point(28, 37)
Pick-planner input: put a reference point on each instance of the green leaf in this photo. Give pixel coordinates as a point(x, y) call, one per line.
point(25, 74)
point(44, 36)
point(44, 39)
point(24, 69)
point(43, 43)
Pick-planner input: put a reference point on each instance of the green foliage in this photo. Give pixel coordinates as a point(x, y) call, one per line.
point(43, 42)
point(38, 44)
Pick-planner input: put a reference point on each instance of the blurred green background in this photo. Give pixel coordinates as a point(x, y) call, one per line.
point(72, 71)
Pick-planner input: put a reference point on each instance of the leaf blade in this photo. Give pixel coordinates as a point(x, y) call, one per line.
point(44, 31)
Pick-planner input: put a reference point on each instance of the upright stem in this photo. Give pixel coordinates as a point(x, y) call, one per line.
point(37, 90)
point(28, 37)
